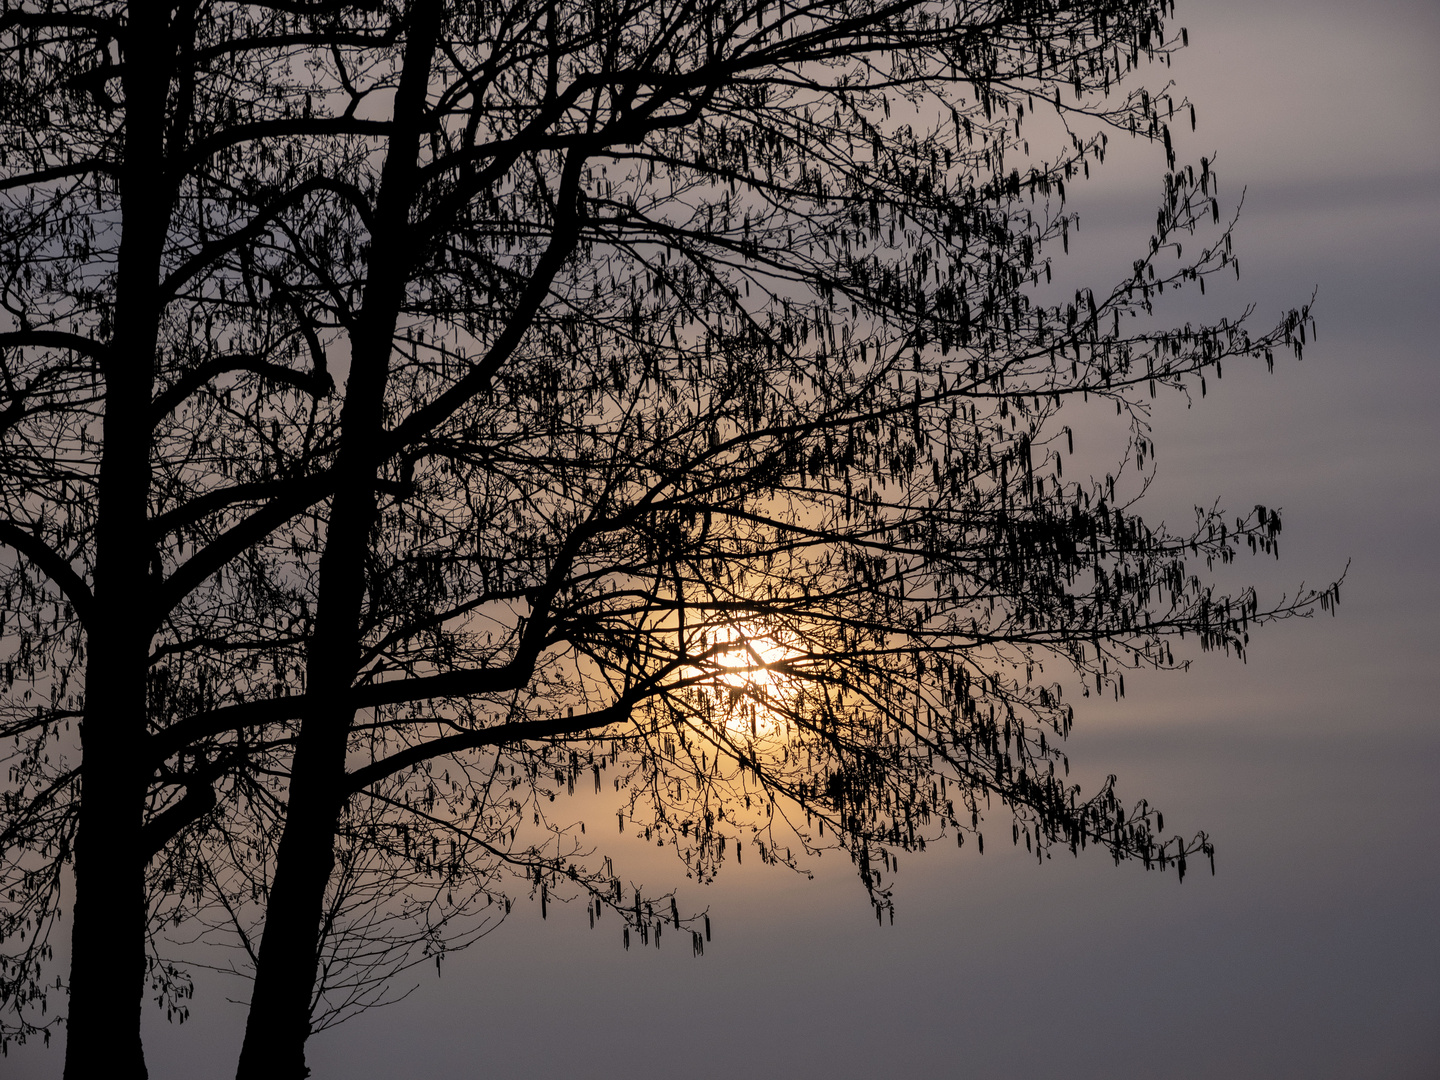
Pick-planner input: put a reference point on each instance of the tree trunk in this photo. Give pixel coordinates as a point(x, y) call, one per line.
point(280, 1003)
point(107, 963)
point(279, 1019)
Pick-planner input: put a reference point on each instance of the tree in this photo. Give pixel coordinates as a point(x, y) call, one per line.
point(698, 423)
point(128, 159)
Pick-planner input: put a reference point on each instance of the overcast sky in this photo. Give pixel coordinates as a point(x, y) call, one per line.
point(1315, 950)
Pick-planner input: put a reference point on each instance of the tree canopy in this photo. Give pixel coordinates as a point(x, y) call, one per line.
point(411, 410)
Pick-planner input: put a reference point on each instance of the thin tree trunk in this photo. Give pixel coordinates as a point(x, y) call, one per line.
point(280, 1003)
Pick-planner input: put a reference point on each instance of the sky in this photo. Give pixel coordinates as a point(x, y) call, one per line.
point(1314, 950)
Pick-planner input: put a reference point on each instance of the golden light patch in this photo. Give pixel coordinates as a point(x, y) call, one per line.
point(750, 668)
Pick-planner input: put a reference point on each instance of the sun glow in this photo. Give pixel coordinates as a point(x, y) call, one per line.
point(751, 671)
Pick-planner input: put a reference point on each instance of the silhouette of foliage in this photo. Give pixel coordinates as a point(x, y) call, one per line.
point(411, 410)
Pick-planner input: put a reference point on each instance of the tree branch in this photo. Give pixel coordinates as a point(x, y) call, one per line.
point(60, 339)
point(199, 800)
point(306, 491)
point(494, 736)
point(54, 566)
point(317, 384)
point(208, 253)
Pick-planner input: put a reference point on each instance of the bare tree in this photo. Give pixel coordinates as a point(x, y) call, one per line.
point(698, 433)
